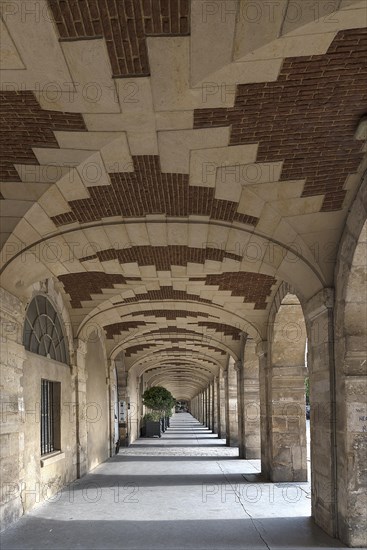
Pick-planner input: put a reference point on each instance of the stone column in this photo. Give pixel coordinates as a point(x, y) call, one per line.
point(251, 436)
point(12, 434)
point(79, 377)
point(319, 320)
point(221, 407)
point(231, 399)
point(209, 406)
point(204, 408)
point(215, 405)
point(262, 353)
point(207, 397)
point(285, 423)
point(112, 394)
point(200, 403)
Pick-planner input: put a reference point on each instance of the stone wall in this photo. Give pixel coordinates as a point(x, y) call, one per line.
point(27, 478)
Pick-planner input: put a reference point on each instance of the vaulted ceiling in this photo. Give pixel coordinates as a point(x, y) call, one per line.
point(170, 163)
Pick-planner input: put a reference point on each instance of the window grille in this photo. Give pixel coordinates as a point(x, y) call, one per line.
point(50, 416)
point(43, 332)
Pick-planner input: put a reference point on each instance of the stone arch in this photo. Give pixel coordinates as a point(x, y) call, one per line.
point(284, 449)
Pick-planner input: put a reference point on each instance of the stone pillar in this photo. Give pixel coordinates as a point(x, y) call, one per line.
point(215, 405)
point(209, 406)
point(285, 422)
point(112, 395)
point(319, 320)
point(207, 396)
point(12, 434)
point(248, 406)
point(251, 441)
point(350, 321)
point(239, 369)
point(221, 407)
point(79, 377)
point(200, 402)
point(262, 353)
point(231, 399)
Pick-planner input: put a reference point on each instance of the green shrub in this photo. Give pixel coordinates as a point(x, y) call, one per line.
point(159, 399)
point(152, 417)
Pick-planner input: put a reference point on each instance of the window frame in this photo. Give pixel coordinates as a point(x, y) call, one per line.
point(50, 417)
point(43, 331)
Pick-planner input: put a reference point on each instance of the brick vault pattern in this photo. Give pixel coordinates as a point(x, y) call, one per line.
point(163, 257)
point(132, 350)
point(25, 125)
point(278, 116)
point(149, 191)
point(116, 329)
point(170, 315)
point(124, 24)
point(80, 286)
point(252, 287)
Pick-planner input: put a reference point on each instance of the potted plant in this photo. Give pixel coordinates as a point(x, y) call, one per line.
point(151, 424)
point(160, 402)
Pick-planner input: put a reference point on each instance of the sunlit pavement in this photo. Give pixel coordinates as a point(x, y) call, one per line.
point(183, 490)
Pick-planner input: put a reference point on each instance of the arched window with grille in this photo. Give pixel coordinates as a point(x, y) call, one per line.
point(43, 333)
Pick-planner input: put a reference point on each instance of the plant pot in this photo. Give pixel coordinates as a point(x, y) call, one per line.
point(152, 428)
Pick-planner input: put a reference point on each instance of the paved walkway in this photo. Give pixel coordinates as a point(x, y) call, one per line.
point(186, 490)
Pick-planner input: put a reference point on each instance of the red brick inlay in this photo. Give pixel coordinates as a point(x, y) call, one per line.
point(124, 24)
point(170, 314)
point(163, 257)
point(165, 293)
point(307, 118)
point(149, 191)
point(141, 347)
point(181, 350)
point(25, 125)
point(227, 330)
point(117, 328)
point(254, 287)
point(81, 286)
point(138, 348)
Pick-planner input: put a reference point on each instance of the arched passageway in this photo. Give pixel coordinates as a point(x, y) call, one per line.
point(184, 182)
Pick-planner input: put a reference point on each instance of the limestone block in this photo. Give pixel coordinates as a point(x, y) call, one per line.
point(212, 33)
point(9, 56)
point(36, 41)
point(175, 146)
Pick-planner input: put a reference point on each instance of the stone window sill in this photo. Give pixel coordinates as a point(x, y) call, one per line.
point(50, 459)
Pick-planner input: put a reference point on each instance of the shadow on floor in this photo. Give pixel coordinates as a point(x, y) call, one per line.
point(169, 534)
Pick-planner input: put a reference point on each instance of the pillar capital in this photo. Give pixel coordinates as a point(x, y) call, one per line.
point(262, 348)
point(323, 300)
point(80, 346)
point(238, 365)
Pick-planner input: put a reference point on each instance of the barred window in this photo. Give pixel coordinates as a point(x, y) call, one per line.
point(43, 333)
point(50, 416)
